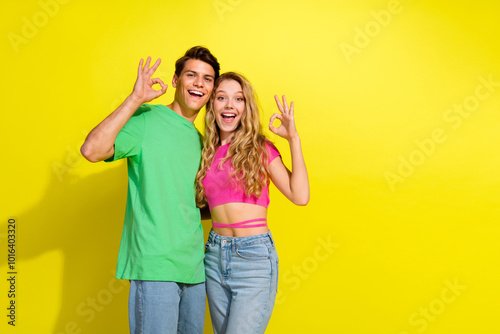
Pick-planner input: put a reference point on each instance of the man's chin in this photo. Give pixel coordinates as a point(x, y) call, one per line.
point(197, 105)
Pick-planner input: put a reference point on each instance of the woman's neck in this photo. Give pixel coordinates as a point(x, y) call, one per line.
point(225, 138)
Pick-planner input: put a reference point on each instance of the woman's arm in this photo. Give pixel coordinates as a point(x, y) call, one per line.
point(295, 184)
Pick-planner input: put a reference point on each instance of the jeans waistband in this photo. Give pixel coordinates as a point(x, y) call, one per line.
point(217, 239)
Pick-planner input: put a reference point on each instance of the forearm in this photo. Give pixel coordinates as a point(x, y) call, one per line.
point(99, 144)
point(299, 180)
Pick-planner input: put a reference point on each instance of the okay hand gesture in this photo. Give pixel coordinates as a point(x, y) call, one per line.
point(287, 128)
point(143, 88)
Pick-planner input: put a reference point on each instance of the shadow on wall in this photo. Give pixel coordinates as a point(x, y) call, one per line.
point(83, 218)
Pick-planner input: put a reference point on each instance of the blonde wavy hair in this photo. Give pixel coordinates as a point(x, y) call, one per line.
point(247, 150)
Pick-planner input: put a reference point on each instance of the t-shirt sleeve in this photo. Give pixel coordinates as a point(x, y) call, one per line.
point(272, 152)
point(128, 142)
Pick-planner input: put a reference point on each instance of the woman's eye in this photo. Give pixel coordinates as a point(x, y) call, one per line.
point(239, 99)
point(220, 98)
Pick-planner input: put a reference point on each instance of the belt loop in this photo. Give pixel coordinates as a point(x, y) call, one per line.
point(233, 245)
point(213, 238)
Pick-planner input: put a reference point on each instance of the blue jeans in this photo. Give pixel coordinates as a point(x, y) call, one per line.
point(166, 307)
point(242, 281)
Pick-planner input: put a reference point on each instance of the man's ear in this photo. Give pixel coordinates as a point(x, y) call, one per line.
point(174, 81)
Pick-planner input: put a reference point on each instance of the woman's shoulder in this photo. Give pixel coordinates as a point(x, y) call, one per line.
point(272, 150)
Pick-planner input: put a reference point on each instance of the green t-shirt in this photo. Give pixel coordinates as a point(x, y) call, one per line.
point(162, 238)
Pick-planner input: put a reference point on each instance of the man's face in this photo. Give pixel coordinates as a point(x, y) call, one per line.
point(194, 85)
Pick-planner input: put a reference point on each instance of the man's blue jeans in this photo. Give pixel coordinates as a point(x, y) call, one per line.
point(242, 281)
point(166, 307)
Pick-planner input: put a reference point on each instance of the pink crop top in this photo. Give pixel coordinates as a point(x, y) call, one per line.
point(220, 188)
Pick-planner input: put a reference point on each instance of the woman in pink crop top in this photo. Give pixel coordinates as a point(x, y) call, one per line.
point(238, 162)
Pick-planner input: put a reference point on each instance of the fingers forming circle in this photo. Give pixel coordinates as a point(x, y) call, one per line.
point(275, 116)
point(158, 81)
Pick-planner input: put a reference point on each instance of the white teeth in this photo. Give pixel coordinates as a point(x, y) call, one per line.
point(195, 92)
point(228, 115)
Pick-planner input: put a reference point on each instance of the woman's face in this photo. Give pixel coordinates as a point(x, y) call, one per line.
point(229, 106)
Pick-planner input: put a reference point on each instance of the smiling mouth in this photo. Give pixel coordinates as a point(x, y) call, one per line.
point(228, 116)
point(195, 93)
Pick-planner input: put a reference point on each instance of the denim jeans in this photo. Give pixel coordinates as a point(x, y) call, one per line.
point(242, 281)
point(166, 307)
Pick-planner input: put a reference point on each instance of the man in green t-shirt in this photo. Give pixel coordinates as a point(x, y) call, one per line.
point(161, 249)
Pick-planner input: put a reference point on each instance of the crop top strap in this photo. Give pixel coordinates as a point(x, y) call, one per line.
point(243, 224)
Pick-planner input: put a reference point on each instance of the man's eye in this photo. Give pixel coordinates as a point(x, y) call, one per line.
point(208, 79)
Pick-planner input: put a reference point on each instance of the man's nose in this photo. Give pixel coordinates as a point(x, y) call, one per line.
point(198, 81)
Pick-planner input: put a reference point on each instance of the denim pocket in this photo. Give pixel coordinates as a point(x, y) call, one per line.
point(208, 245)
point(255, 252)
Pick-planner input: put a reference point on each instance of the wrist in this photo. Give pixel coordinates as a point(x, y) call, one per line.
point(294, 139)
point(134, 101)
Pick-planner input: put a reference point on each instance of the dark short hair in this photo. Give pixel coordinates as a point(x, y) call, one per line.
point(200, 53)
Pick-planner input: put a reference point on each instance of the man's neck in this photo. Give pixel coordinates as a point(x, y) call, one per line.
point(188, 114)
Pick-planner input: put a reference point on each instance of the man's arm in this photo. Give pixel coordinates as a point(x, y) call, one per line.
point(99, 144)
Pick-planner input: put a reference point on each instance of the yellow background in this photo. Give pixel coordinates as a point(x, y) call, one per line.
point(372, 82)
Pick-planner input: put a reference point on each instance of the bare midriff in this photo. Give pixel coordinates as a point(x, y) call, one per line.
point(231, 213)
